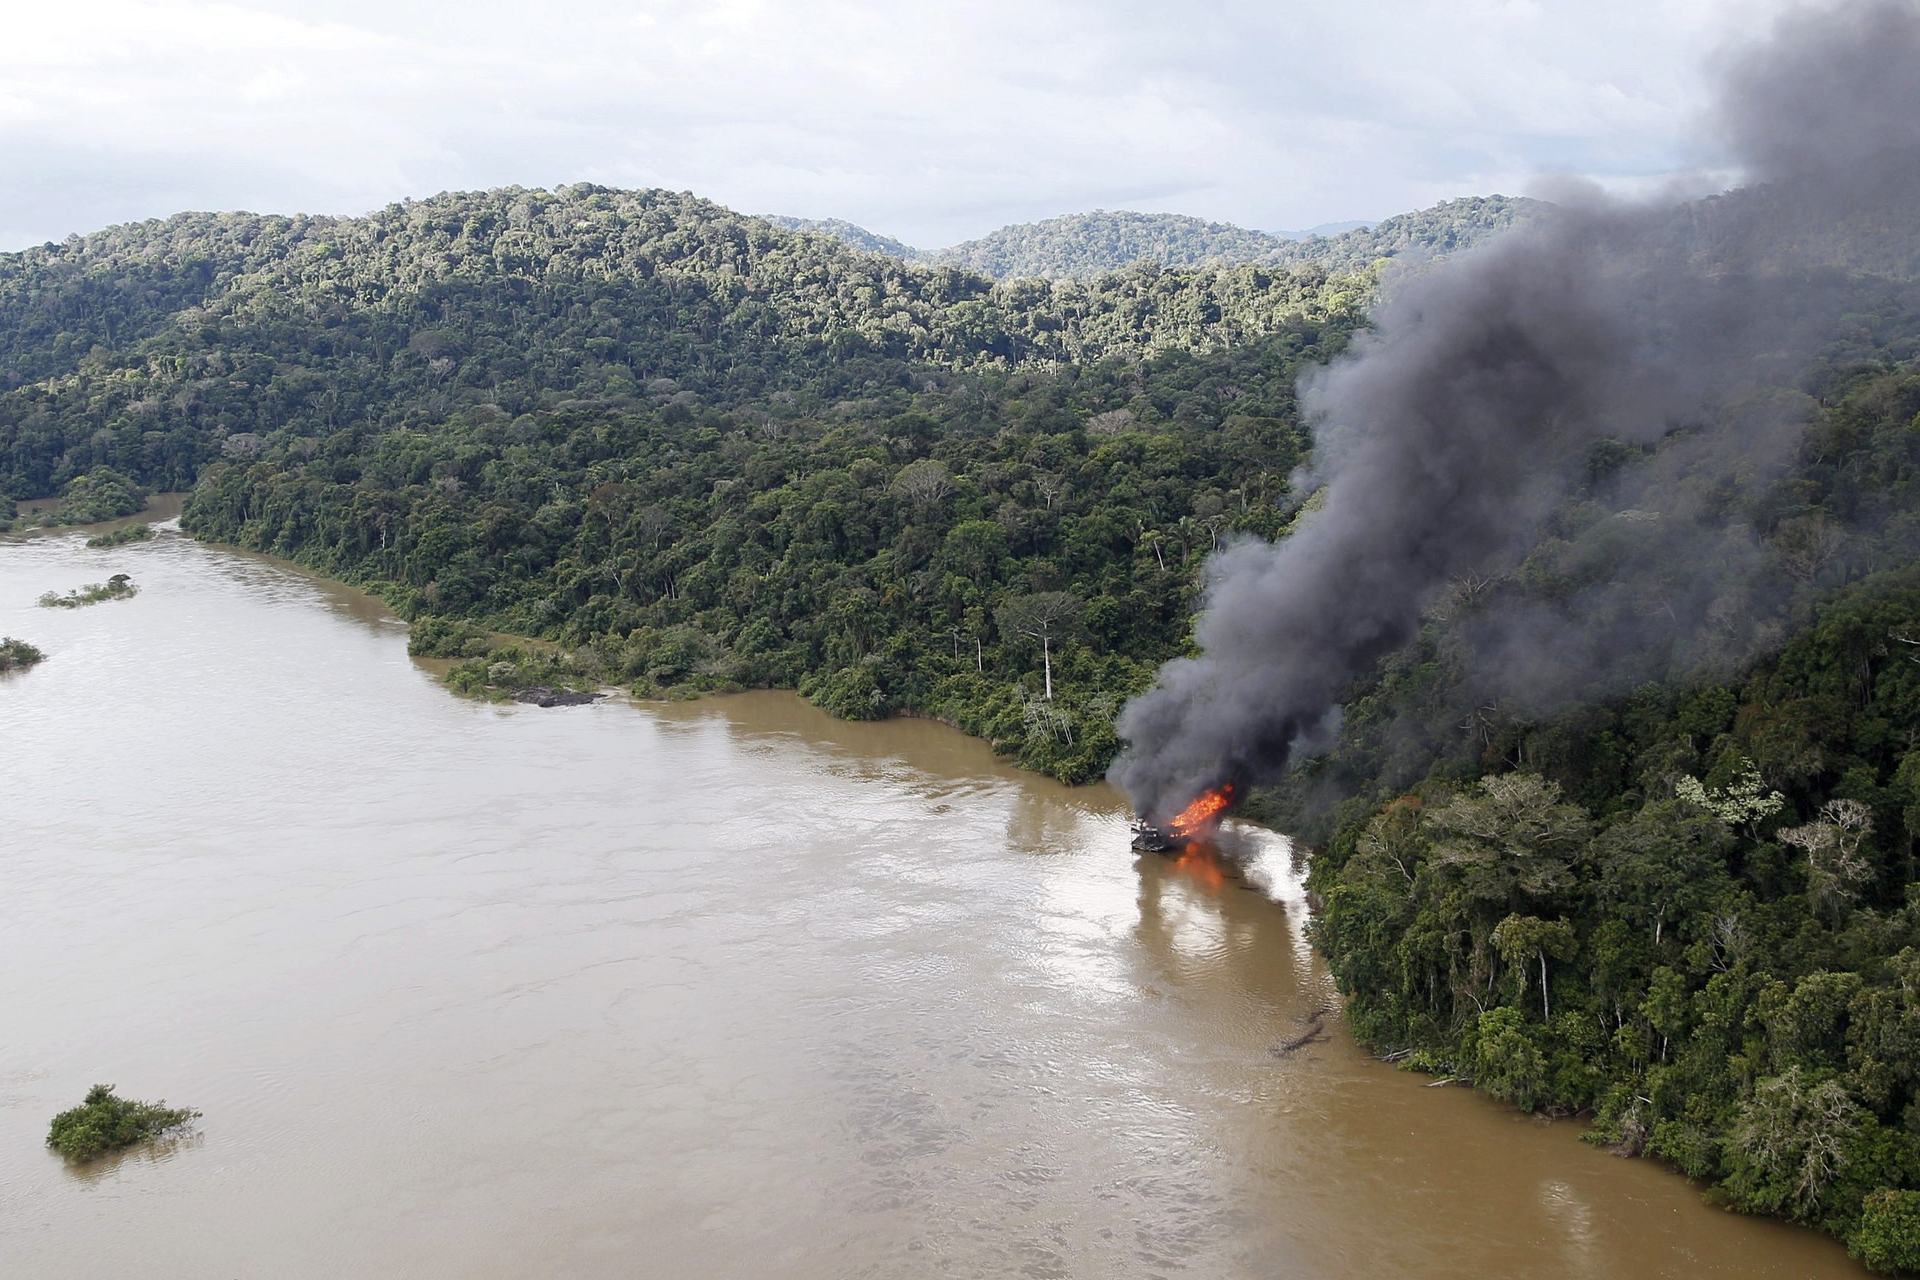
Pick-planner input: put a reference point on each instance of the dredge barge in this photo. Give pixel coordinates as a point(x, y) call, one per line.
point(1195, 821)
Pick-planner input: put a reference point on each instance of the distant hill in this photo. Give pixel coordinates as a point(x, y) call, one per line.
point(1328, 229)
point(1445, 228)
point(1080, 246)
point(855, 237)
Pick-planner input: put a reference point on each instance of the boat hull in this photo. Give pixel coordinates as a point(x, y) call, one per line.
point(1149, 839)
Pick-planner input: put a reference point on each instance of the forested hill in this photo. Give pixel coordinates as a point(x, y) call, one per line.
point(1084, 245)
point(156, 347)
point(1429, 233)
point(1081, 245)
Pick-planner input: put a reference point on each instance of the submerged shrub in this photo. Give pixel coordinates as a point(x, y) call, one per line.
point(118, 587)
point(18, 655)
point(107, 1122)
point(121, 537)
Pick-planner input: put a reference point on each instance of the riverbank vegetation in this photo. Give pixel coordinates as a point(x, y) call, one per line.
point(107, 1122)
point(695, 450)
point(121, 537)
point(118, 587)
point(18, 655)
point(865, 556)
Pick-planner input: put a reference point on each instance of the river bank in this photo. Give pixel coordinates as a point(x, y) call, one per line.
point(784, 992)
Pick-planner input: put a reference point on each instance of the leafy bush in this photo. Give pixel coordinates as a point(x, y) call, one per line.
point(1505, 1060)
point(504, 670)
point(852, 693)
point(107, 1122)
point(433, 636)
point(18, 655)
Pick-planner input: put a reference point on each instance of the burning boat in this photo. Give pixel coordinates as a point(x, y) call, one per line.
point(1189, 825)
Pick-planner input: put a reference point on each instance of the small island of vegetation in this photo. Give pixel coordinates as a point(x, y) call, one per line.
point(107, 1122)
point(118, 587)
point(499, 670)
point(121, 537)
point(96, 495)
point(18, 655)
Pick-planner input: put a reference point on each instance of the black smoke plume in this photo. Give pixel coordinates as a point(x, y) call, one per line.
point(1473, 405)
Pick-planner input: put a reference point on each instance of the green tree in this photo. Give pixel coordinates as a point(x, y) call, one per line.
point(1521, 939)
point(1511, 838)
point(1887, 1237)
point(1045, 617)
point(1792, 1139)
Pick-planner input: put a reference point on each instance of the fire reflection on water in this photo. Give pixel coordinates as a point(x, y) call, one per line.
point(1201, 864)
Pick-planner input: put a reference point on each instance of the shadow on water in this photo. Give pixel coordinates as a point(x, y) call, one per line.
point(160, 506)
point(918, 756)
point(284, 582)
point(1051, 821)
point(102, 1169)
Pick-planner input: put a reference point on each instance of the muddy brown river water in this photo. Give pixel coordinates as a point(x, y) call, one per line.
point(722, 989)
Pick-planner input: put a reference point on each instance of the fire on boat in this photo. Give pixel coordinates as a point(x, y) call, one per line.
point(1190, 824)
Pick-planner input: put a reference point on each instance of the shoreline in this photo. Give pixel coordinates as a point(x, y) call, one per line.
point(335, 585)
point(160, 508)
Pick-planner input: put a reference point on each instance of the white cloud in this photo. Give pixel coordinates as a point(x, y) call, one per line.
point(929, 121)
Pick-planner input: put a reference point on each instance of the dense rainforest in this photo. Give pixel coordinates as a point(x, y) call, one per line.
point(875, 552)
point(1082, 245)
point(690, 450)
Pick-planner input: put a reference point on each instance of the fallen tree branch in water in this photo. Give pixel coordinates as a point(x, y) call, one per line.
point(1316, 1031)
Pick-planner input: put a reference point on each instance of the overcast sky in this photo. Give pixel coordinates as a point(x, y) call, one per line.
point(928, 121)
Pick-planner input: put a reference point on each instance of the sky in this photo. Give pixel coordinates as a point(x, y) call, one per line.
point(929, 121)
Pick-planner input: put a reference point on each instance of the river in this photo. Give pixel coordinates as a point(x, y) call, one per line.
point(716, 989)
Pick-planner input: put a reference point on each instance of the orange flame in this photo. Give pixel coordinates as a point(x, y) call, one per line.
point(1203, 812)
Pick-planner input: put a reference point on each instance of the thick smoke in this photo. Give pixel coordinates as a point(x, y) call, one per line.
point(1474, 404)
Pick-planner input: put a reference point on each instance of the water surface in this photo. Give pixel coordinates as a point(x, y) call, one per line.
point(718, 989)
